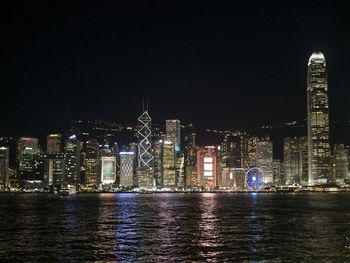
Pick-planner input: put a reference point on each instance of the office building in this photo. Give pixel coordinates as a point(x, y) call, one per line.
point(169, 163)
point(91, 163)
point(173, 131)
point(191, 176)
point(29, 165)
point(340, 164)
point(144, 172)
point(295, 160)
point(56, 170)
point(127, 169)
point(318, 120)
point(248, 150)
point(108, 169)
point(278, 173)
point(4, 167)
point(158, 162)
point(180, 171)
point(53, 143)
point(72, 151)
point(264, 159)
point(27, 142)
point(206, 167)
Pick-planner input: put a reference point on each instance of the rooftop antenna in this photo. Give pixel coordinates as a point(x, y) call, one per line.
point(143, 104)
point(147, 104)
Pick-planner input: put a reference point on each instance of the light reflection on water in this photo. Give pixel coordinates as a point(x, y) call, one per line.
point(175, 227)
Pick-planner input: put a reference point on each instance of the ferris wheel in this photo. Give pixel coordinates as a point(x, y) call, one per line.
point(254, 179)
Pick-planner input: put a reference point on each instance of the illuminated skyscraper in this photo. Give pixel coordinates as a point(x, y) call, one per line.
point(318, 119)
point(295, 160)
point(72, 152)
point(158, 162)
point(248, 150)
point(206, 167)
point(127, 169)
point(145, 158)
point(91, 163)
point(292, 161)
point(191, 162)
point(180, 171)
point(303, 149)
point(340, 164)
point(277, 167)
point(169, 163)
point(108, 169)
point(264, 159)
point(4, 167)
point(173, 131)
point(25, 142)
point(144, 172)
point(53, 143)
point(56, 169)
point(28, 155)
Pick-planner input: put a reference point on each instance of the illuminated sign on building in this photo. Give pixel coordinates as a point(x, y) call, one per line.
point(206, 167)
point(108, 170)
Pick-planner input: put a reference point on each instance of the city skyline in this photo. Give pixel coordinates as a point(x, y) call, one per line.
point(175, 131)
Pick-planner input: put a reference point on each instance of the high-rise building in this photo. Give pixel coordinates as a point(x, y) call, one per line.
point(248, 150)
point(53, 143)
point(56, 170)
point(226, 178)
point(191, 162)
point(219, 165)
point(296, 160)
point(278, 173)
point(225, 146)
point(144, 172)
point(25, 142)
point(29, 165)
point(340, 164)
point(206, 167)
point(264, 159)
point(192, 150)
point(108, 169)
point(318, 120)
point(145, 157)
point(4, 167)
point(91, 163)
point(173, 130)
point(127, 169)
point(169, 169)
point(72, 151)
point(11, 143)
point(180, 171)
point(158, 162)
point(191, 176)
point(303, 151)
point(292, 161)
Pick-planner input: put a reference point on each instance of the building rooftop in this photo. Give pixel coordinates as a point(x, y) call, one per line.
point(318, 57)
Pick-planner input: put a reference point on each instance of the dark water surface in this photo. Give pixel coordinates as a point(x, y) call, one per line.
point(310, 227)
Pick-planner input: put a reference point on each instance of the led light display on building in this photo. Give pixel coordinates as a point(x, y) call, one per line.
point(127, 169)
point(206, 167)
point(108, 170)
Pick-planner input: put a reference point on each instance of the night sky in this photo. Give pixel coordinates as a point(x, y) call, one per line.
point(215, 65)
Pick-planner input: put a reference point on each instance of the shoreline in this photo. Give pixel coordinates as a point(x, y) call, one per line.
point(185, 192)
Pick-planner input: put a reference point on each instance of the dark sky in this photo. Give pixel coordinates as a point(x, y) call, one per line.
point(213, 64)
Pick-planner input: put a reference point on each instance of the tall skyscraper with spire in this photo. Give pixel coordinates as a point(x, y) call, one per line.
point(318, 120)
point(144, 173)
point(145, 158)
